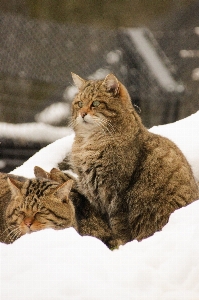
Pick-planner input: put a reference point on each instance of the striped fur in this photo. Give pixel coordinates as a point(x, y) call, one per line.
point(33, 205)
point(89, 221)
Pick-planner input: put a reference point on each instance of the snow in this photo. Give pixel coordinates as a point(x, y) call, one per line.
point(196, 30)
point(62, 265)
point(70, 92)
point(35, 132)
point(47, 158)
point(57, 265)
point(113, 57)
point(195, 74)
point(99, 74)
point(54, 114)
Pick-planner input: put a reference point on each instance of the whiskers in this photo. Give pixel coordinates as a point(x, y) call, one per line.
point(105, 125)
point(97, 122)
point(72, 123)
point(12, 233)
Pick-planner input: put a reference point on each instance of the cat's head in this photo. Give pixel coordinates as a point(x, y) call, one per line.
point(38, 204)
point(99, 104)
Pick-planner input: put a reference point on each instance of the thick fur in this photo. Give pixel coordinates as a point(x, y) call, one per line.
point(89, 221)
point(135, 177)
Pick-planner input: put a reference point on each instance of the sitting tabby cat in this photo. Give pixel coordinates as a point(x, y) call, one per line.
point(88, 220)
point(135, 177)
point(30, 205)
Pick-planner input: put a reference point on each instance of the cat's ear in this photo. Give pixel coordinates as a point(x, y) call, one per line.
point(15, 186)
point(41, 173)
point(112, 84)
point(78, 81)
point(59, 176)
point(64, 189)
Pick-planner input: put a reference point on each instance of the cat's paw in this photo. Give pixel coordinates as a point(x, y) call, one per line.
point(114, 244)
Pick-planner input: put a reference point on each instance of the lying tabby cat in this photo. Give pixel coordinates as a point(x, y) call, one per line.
point(88, 220)
point(30, 205)
point(135, 177)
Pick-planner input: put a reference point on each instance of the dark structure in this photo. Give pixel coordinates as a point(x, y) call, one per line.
point(178, 37)
point(13, 153)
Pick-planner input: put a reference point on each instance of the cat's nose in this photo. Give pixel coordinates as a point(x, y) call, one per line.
point(28, 222)
point(83, 114)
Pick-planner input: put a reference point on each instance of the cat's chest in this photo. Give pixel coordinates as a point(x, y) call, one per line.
point(87, 159)
point(97, 168)
point(84, 152)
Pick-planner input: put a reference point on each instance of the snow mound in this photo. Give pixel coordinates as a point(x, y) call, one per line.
point(63, 265)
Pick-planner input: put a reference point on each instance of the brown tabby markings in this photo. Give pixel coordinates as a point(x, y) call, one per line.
point(32, 205)
point(135, 177)
point(89, 221)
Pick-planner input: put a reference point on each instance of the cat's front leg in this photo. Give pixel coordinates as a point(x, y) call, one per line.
point(118, 219)
point(92, 222)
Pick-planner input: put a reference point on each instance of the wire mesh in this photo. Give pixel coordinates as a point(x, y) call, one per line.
point(37, 58)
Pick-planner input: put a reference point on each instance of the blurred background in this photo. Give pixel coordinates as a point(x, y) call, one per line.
point(151, 46)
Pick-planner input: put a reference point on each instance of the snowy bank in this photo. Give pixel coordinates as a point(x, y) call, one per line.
point(34, 132)
point(57, 265)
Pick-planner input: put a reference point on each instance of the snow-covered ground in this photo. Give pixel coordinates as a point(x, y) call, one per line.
point(35, 132)
point(56, 265)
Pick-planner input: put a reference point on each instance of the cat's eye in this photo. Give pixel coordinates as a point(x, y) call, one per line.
point(96, 103)
point(80, 104)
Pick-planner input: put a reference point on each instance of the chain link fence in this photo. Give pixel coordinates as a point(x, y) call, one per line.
point(38, 57)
